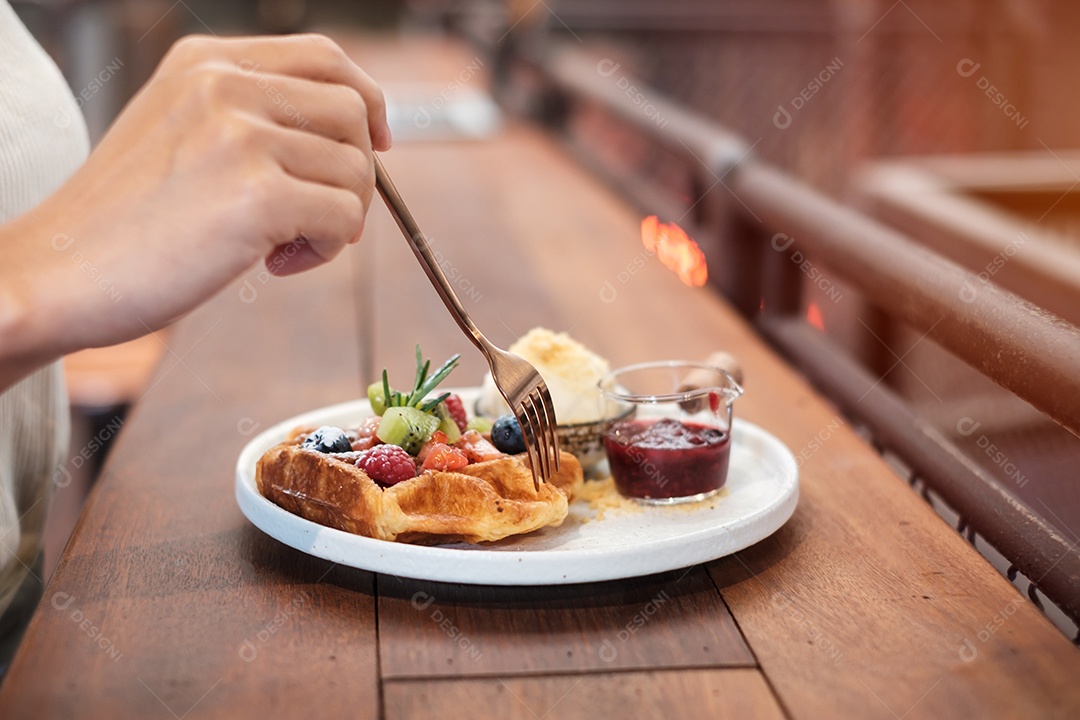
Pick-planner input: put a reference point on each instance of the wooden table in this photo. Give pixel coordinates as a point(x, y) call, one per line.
point(169, 603)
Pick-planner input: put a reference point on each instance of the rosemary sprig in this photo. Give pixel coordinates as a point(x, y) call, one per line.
point(422, 385)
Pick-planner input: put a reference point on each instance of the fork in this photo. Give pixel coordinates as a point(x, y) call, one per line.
point(520, 384)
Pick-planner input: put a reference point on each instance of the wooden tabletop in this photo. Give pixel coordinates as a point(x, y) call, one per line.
point(169, 603)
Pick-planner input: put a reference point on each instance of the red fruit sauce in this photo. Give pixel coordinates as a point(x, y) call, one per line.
point(667, 458)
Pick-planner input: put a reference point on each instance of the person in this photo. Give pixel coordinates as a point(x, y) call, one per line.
point(235, 151)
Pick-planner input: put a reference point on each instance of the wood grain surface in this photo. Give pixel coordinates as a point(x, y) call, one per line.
point(168, 603)
point(688, 695)
point(435, 629)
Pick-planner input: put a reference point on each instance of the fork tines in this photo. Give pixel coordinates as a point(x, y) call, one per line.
point(536, 415)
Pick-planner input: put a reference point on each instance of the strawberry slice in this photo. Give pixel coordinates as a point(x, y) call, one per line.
point(476, 448)
point(437, 438)
point(441, 456)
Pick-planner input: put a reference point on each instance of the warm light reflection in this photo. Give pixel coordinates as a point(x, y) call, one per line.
point(675, 249)
point(814, 317)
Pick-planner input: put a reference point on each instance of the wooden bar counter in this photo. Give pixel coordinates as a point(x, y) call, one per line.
point(168, 603)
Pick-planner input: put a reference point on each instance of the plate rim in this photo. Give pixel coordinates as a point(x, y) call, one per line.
point(476, 566)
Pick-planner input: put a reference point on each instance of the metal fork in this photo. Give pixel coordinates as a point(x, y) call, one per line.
point(525, 391)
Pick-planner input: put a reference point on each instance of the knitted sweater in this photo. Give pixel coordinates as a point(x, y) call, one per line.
point(42, 141)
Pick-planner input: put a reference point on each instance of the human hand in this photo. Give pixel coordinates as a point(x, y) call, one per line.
point(233, 150)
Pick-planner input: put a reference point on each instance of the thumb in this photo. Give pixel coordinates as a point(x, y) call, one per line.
point(292, 258)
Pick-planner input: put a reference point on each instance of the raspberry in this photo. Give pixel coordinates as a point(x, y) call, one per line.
point(457, 411)
point(387, 464)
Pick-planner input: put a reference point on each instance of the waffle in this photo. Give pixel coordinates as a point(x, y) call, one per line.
point(484, 501)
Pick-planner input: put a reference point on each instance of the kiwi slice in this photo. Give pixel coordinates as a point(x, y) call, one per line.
point(377, 398)
point(407, 427)
point(447, 423)
point(480, 424)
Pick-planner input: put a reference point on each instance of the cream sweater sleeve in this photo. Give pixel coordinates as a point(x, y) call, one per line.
point(42, 141)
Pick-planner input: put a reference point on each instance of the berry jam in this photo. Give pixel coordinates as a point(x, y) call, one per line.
point(664, 459)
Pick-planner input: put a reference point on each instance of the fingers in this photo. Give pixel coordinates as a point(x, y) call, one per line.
point(313, 57)
point(325, 117)
point(336, 112)
point(292, 258)
point(317, 159)
point(313, 223)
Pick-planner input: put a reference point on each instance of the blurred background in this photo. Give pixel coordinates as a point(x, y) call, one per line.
point(952, 121)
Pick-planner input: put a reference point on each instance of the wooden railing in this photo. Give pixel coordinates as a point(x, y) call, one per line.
point(744, 205)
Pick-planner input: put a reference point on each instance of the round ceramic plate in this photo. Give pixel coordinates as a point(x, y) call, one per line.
point(626, 541)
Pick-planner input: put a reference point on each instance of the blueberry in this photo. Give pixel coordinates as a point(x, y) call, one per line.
point(506, 434)
point(327, 439)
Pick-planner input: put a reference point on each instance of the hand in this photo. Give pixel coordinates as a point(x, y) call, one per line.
point(235, 151)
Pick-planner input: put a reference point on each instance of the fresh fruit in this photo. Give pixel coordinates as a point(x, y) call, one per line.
point(406, 427)
point(507, 436)
point(421, 385)
point(368, 427)
point(365, 443)
point(387, 464)
point(376, 398)
point(476, 448)
point(447, 423)
point(457, 411)
point(441, 456)
point(410, 430)
point(365, 434)
point(380, 393)
point(480, 424)
point(327, 439)
point(437, 438)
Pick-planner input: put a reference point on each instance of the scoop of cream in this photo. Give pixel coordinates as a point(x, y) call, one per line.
point(570, 370)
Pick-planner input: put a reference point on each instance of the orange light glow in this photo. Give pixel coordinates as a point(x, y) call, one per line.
point(675, 249)
point(814, 317)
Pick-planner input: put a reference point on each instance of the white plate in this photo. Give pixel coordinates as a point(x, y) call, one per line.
point(762, 491)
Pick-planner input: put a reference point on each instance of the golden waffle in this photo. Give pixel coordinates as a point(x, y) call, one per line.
point(484, 501)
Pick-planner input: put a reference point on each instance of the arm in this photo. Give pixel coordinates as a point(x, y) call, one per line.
point(235, 151)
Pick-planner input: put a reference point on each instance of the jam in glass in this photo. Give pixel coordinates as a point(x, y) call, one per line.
point(670, 439)
point(664, 459)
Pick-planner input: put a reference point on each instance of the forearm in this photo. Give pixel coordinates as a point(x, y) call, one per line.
point(201, 176)
point(27, 340)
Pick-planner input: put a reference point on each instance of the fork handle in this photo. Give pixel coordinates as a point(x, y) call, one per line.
point(419, 244)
